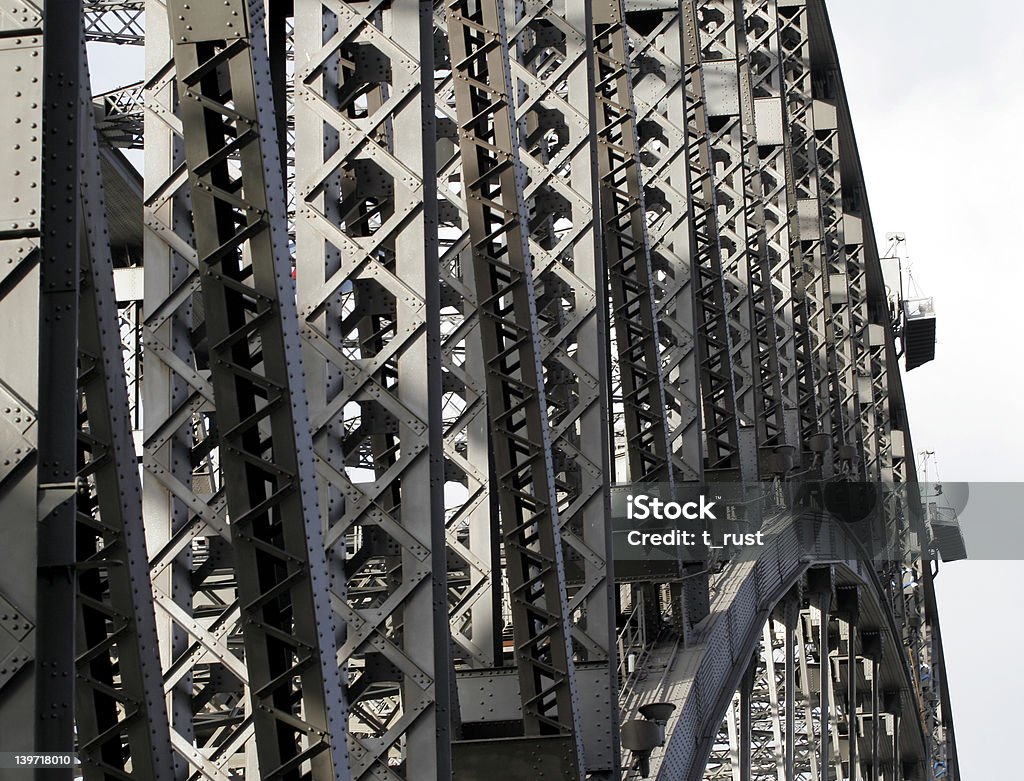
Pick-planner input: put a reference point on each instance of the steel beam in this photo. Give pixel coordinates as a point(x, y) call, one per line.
point(638, 384)
point(370, 300)
point(239, 211)
point(494, 180)
point(121, 716)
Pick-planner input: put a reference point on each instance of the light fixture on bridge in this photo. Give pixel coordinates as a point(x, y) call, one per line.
point(642, 737)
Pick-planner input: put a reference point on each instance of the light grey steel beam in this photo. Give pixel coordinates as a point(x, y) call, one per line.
point(39, 235)
point(239, 214)
point(520, 436)
point(369, 295)
point(638, 383)
point(808, 271)
point(758, 67)
point(187, 532)
point(121, 716)
point(662, 103)
point(718, 376)
point(476, 606)
point(840, 355)
point(552, 71)
point(115, 21)
point(740, 228)
point(766, 112)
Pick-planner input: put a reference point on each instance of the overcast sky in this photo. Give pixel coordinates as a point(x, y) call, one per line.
point(938, 109)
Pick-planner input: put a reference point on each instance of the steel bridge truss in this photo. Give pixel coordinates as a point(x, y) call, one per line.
point(310, 423)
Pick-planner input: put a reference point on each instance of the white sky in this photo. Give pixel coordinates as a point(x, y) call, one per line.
point(938, 110)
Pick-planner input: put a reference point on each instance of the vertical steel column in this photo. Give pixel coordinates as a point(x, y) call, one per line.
point(767, 112)
point(872, 647)
point(719, 411)
point(759, 66)
point(808, 272)
point(792, 624)
point(746, 726)
point(187, 534)
point(855, 223)
point(805, 635)
point(57, 444)
point(121, 716)
point(370, 299)
point(824, 599)
point(741, 230)
point(848, 605)
point(839, 331)
point(662, 104)
point(39, 234)
point(771, 688)
point(238, 203)
point(516, 398)
point(641, 391)
point(475, 589)
point(552, 77)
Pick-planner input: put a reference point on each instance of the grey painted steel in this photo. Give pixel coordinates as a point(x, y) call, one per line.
point(39, 231)
point(638, 386)
point(552, 70)
point(57, 444)
point(121, 715)
point(520, 436)
point(662, 109)
point(646, 217)
point(370, 300)
point(239, 211)
point(809, 311)
point(707, 674)
point(740, 218)
point(476, 605)
point(717, 378)
point(115, 21)
point(184, 505)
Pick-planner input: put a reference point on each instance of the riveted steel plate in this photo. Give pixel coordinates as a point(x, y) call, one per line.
point(18, 15)
point(199, 20)
point(721, 88)
point(768, 119)
point(21, 93)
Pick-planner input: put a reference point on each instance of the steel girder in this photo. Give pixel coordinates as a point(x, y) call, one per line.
point(370, 301)
point(239, 211)
point(808, 276)
point(638, 383)
point(115, 21)
point(121, 715)
point(552, 51)
point(519, 430)
point(188, 535)
point(662, 102)
point(39, 302)
point(676, 180)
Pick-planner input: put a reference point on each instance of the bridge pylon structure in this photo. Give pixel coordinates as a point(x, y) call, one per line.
point(327, 337)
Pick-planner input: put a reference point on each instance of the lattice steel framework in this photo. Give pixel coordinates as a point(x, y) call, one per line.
point(404, 287)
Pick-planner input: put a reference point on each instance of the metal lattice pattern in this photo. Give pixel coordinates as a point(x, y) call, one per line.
point(402, 289)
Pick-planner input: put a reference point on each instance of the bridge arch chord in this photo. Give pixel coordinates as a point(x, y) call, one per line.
point(765, 634)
